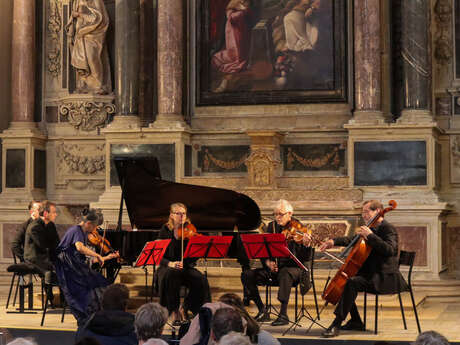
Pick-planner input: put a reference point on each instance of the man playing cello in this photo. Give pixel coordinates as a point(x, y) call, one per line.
point(379, 273)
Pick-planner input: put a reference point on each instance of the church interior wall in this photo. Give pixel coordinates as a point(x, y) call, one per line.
point(6, 16)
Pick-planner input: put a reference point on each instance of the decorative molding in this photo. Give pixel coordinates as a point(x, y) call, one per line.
point(226, 165)
point(331, 158)
point(53, 56)
point(443, 42)
point(87, 115)
point(262, 168)
point(455, 158)
point(302, 195)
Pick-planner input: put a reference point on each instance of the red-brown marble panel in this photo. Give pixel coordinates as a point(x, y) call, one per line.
point(414, 238)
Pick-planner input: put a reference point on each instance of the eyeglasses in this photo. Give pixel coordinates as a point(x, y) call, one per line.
point(279, 214)
point(179, 213)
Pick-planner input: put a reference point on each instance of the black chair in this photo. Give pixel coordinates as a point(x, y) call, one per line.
point(405, 259)
point(53, 284)
point(20, 270)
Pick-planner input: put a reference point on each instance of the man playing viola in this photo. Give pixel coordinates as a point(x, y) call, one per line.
point(284, 271)
point(174, 271)
point(379, 273)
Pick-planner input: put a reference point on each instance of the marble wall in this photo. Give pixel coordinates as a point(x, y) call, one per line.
point(6, 18)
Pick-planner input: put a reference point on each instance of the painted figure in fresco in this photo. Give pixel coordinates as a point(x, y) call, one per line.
point(87, 30)
point(234, 57)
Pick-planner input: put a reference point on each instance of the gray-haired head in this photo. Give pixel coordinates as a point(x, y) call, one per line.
point(431, 338)
point(149, 321)
point(284, 206)
point(234, 338)
point(22, 341)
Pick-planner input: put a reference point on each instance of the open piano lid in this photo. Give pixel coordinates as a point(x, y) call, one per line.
point(148, 199)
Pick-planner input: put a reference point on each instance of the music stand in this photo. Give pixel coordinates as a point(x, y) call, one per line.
point(151, 254)
point(208, 247)
point(266, 246)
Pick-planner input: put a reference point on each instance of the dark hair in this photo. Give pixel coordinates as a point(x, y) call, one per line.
point(90, 215)
point(45, 205)
point(431, 338)
point(149, 321)
point(373, 204)
point(31, 204)
point(235, 301)
point(115, 297)
point(224, 321)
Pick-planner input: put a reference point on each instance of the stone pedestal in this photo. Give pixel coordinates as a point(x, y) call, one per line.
point(402, 162)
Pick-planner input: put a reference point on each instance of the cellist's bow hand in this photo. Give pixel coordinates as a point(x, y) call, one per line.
point(363, 231)
point(326, 245)
point(176, 264)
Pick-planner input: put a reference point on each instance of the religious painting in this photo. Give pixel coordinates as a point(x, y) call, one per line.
point(271, 51)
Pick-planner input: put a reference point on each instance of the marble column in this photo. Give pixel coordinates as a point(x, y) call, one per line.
point(416, 61)
point(170, 64)
point(368, 79)
point(23, 66)
point(126, 63)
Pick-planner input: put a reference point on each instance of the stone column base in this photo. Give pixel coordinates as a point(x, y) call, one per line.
point(170, 121)
point(125, 122)
point(368, 117)
point(418, 116)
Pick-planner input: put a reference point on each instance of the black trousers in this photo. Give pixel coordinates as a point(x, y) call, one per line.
point(194, 280)
point(347, 300)
point(286, 277)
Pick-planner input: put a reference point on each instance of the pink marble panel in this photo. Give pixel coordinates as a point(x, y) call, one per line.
point(414, 238)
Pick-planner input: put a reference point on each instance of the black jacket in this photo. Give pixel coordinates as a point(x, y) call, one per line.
point(40, 243)
point(17, 244)
point(381, 267)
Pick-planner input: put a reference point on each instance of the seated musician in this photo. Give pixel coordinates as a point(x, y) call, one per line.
point(82, 287)
point(174, 273)
point(285, 272)
point(379, 273)
point(17, 244)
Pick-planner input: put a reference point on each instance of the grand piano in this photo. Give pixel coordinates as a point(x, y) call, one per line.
point(148, 198)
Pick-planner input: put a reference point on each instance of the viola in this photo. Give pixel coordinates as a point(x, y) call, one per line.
point(100, 242)
point(355, 259)
point(187, 231)
point(294, 231)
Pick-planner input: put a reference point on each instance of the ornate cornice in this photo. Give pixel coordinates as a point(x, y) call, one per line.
point(87, 115)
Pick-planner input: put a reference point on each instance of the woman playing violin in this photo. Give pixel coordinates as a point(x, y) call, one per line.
point(175, 271)
point(285, 271)
point(81, 286)
point(379, 273)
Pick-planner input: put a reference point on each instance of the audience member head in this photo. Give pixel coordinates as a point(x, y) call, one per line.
point(89, 219)
point(88, 341)
point(252, 327)
point(22, 341)
point(115, 297)
point(149, 321)
point(234, 338)
point(47, 210)
point(224, 321)
point(34, 209)
point(431, 338)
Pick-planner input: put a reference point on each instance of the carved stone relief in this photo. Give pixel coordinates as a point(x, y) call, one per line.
point(80, 166)
point(87, 115)
point(261, 169)
point(53, 53)
point(455, 158)
point(443, 42)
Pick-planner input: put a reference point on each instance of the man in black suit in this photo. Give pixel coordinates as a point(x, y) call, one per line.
point(379, 273)
point(41, 240)
point(17, 244)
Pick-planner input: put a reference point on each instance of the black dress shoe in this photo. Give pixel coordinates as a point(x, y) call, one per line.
point(262, 316)
point(331, 332)
point(281, 321)
point(353, 325)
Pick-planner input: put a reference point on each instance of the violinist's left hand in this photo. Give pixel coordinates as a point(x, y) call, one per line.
point(306, 239)
point(363, 231)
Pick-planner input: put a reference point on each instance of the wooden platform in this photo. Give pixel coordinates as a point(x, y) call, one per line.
point(438, 304)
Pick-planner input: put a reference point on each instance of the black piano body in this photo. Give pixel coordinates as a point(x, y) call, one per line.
point(148, 198)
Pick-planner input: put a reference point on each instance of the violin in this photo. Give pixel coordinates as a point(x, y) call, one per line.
point(187, 231)
point(358, 254)
point(294, 231)
point(100, 242)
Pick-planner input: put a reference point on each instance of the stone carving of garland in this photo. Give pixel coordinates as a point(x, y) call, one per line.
point(54, 29)
point(227, 165)
point(330, 158)
point(81, 164)
point(87, 115)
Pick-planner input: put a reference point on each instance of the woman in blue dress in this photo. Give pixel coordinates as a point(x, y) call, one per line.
point(82, 287)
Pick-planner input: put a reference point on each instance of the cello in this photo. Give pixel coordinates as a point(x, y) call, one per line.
point(358, 254)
